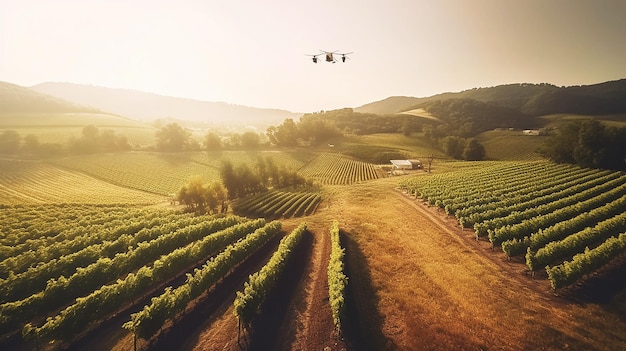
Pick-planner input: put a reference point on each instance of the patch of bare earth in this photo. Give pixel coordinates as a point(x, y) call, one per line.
point(295, 317)
point(436, 288)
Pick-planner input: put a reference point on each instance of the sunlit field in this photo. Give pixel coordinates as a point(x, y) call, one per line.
point(60, 127)
point(431, 259)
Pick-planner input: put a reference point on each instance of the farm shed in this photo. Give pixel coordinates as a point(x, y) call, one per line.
point(406, 164)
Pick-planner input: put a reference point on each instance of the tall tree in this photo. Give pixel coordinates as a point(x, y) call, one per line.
point(9, 142)
point(172, 137)
point(588, 144)
point(250, 140)
point(285, 134)
point(474, 151)
point(453, 146)
point(212, 141)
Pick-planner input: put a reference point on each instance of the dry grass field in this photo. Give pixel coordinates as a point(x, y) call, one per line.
point(436, 288)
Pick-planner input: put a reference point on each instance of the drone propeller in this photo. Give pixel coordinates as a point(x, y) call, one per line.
point(314, 57)
point(330, 56)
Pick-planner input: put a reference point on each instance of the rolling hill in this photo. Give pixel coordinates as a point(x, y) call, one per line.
point(529, 99)
point(150, 107)
point(15, 98)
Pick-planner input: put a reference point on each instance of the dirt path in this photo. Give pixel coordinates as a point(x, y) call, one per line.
point(436, 288)
point(295, 317)
point(317, 329)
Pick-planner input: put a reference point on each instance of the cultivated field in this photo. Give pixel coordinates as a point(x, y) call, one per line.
point(94, 256)
point(60, 127)
point(336, 169)
point(511, 145)
point(28, 182)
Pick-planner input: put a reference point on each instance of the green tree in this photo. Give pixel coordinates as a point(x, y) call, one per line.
point(10, 142)
point(473, 151)
point(453, 146)
point(588, 144)
point(285, 134)
point(172, 137)
point(560, 146)
point(591, 149)
point(229, 179)
point(212, 141)
point(250, 140)
point(203, 198)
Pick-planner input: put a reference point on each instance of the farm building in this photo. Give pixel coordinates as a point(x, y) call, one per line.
point(406, 164)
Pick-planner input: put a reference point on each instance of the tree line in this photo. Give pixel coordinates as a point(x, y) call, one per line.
point(588, 144)
point(237, 181)
point(91, 140)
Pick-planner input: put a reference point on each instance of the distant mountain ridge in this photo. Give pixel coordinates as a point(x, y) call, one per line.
point(150, 107)
point(529, 99)
point(18, 99)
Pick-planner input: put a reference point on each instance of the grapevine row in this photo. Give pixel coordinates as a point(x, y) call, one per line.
point(550, 213)
point(192, 240)
point(335, 169)
point(533, 199)
point(167, 305)
point(248, 302)
point(586, 262)
point(575, 196)
point(108, 298)
point(337, 279)
point(277, 204)
point(563, 222)
point(34, 279)
point(576, 242)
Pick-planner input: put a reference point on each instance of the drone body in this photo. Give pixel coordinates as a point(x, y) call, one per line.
point(330, 56)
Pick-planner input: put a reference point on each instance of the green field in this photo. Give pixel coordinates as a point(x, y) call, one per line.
point(58, 128)
point(508, 145)
point(554, 120)
point(28, 182)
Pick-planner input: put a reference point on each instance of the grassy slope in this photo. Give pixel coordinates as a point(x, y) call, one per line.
point(59, 127)
point(554, 120)
point(27, 182)
point(371, 148)
point(511, 145)
point(435, 288)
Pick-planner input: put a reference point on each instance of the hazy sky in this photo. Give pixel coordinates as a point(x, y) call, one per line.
point(252, 52)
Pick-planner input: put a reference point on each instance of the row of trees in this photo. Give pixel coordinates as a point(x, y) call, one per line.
point(204, 198)
point(460, 148)
point(237, 181)
point(169, 138)
point(346, 120)
point(588, 144)
point(174, 138)
point(92, 140)
point(243, 180)
point(310, 129)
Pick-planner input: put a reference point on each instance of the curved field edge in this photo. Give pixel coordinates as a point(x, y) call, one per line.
point(35, 182)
